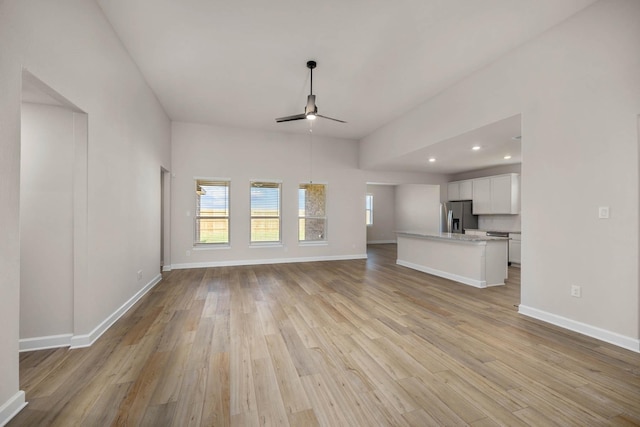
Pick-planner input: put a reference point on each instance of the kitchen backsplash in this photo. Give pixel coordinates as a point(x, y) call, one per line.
point(499, 222)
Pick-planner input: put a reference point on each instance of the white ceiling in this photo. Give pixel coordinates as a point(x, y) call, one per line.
point(456, 155)
point(242, 63)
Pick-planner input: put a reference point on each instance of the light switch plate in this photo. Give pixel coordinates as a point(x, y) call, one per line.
point(603, 212)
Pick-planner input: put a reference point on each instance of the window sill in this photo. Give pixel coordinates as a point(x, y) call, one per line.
point(266, 245)
point(210, 247)
point(314, 243)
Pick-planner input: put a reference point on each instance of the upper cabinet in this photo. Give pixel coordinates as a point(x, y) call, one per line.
point(498, 194)
point(460, 190)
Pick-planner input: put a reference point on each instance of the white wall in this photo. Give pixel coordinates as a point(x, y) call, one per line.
point(418, 207)
point(69, 45)
point(578, 90)
point(383, 229)
point(245, 155)
point(46, 221)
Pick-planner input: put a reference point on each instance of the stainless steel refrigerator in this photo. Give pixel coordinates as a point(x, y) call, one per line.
point(455, 217)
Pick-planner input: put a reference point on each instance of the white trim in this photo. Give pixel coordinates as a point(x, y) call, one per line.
point(614, 338)
point(11, 407)
point(166, 267)
point(381, 242)
point(211, 246)
point(44, 343)
point(303, 243)
point(86, 340)
point(446, 275)
point(234, 263)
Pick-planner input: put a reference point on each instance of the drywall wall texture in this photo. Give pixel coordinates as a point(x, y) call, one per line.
point(69, 45)
point(244, 156)
point(578, 89)
point(418, 207)
point(46, 221)
point(383, 229)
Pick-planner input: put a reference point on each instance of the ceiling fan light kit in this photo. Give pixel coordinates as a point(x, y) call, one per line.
point(311, 109)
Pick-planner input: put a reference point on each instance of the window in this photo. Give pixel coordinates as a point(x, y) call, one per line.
point(212, 211)
point(265, 212)
point(312, 214)
point(369, 209)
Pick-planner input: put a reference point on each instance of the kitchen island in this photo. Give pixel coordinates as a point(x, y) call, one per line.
point(478, 261)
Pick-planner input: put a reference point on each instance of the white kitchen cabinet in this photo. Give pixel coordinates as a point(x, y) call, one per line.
point(482, 196)
point(460, 190)
point(453, 191)
point(498, 194)
point(514, 247)
point(466, 190)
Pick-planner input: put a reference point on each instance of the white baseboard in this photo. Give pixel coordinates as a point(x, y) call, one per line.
point(614, 338)
point(166, 268)
point(380, 242)
point(79, 341)
point(44, 343)
point(234, 263)
point(466, 280)
point(11, 407)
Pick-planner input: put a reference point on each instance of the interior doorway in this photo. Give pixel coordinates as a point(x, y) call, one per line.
point(53, 214)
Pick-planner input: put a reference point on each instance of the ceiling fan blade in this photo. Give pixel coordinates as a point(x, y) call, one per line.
point(335, 120)
point(290, 118)
point(311, 105)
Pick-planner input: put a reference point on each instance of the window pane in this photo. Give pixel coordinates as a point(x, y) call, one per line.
point(265, 229)
point(312, 221)
point(265, 199)
point(212, 211)
point(369, 209)
point(311, 229)
point(212, 230)
point(265, 211)
point(213, 200)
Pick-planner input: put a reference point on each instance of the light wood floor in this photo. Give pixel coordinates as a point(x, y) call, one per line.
point(344, 343)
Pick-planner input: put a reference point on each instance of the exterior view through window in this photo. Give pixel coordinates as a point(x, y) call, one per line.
point(212, 212)
point(312, 214)
point(265, 212)
point(369, 209)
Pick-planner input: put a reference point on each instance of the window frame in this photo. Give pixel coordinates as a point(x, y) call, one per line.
point(325, 238)
point(198, 182)
point(252, 216)
point(368, 209)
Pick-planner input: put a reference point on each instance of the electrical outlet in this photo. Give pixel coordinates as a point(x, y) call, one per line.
point(603, 212)
point(139, 274)
point(576, 291)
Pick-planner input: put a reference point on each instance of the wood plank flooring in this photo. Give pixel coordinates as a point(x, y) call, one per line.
point(344, 343)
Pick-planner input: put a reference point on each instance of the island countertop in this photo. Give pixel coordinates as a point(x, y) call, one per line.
point(469, 238)
point(478, 261)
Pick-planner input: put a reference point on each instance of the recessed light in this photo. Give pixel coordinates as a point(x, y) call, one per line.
point(475, 147)
point(507, 157)
point(432, 159)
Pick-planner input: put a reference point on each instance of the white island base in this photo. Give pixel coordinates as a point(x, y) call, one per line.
point(473, 260)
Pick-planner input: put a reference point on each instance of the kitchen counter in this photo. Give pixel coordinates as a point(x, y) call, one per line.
point(457, 237)
point(493, 229)
point(478, 261)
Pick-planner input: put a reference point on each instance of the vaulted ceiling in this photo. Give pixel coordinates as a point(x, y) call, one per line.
point(242, 63)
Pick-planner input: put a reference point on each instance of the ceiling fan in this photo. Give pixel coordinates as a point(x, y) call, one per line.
point(311, 109)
